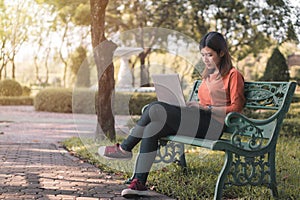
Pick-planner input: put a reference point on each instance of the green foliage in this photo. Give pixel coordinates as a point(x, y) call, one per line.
point(77, 58)
point(244, 23)
point(204, 167)
point(12, 93)
point(83, 100)
point(199, 180)
point(82, 148)
point(26, 91)
point(132, 103)
point(54, 100)
point(277, 68)
point(125, 103)
point(10, 87)
point(82, 14)
point(78, 10)
point(80, 67)
point(296, 98)
point(128, 103)
point(14, 33)
point(198, 69)
point(139, 100)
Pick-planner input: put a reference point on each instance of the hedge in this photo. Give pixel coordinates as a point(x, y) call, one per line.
point(9, 87)
point(84, 100)
point(16, 101)
point(54, 100)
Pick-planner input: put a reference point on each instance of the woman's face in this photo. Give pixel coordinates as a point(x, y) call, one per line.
point(210, 58)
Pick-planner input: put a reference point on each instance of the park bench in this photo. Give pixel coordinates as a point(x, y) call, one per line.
point(250, 147)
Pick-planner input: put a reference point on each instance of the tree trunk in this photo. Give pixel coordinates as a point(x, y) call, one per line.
point(144, 75)
point(13, 70)
point(103, 55)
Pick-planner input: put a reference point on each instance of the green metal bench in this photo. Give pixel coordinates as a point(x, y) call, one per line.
point(250, 147)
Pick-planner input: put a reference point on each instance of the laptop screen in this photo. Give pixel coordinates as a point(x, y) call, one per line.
point(168, 89)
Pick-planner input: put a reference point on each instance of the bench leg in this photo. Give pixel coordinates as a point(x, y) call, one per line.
point(273, 184)
point(182, 158)
point(223, 175)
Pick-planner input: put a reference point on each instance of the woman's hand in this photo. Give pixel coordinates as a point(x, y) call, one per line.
point(196, 104)
point(193, 104)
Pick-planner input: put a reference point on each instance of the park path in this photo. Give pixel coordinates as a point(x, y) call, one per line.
point(33, 164)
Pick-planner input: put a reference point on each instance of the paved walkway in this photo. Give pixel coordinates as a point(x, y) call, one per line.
point(33, 165)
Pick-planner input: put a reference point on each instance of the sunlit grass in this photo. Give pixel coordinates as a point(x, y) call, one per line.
point(204, 166)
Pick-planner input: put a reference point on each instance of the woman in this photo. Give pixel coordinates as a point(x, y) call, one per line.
point(221, 92)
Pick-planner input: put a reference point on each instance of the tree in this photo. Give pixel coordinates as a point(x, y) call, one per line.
point(297, 76)
point(249, 25)
point(277, 68)
point(82, 14)
point(79, 68)
point(135, 14)
point(42, 51)
point(13, 33)
point(69, 21)
point(103, 54)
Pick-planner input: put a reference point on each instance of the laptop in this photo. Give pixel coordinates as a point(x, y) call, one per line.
point(168, 89)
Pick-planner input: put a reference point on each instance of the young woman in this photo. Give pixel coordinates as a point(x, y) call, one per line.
point(221, 92)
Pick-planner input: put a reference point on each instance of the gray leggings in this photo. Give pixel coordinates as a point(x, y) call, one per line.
point(159, 120)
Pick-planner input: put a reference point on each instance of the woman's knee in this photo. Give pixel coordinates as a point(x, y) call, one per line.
point(157, 111)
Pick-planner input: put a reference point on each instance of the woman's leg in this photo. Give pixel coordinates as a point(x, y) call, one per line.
point(156, 111)
point(160, 115)
point(148, 150)
point(191, 122)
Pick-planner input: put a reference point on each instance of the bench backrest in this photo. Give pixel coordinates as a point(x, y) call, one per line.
point(261, 95)
point(275, 96)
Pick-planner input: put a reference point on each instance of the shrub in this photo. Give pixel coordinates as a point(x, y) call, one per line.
point(54, 100)
point(277, 68)
point(139, 100)
point(132, 103)
point(26, 91)
point(296, 98)
point(84, 101)
point(10, 87)
point(16, 101)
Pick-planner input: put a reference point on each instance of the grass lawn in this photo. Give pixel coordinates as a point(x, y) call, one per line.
point(204, 167)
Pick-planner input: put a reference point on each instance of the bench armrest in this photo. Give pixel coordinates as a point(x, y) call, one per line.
point(231, 119)
point(249, 133)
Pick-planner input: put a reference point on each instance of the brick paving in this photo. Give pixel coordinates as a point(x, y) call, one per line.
point(37, 167)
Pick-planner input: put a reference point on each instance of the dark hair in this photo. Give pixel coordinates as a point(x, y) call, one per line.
point(217, 42)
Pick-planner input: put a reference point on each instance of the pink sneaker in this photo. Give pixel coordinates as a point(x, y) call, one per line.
point(136, 188)
point(114, 152)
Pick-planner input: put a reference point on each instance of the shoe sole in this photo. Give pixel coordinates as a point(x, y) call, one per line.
point(110, 158)
point(128, 193)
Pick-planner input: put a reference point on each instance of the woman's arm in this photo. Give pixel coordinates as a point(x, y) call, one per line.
point(236, 92)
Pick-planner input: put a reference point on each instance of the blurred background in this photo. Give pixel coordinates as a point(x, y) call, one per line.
point(44, 42)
